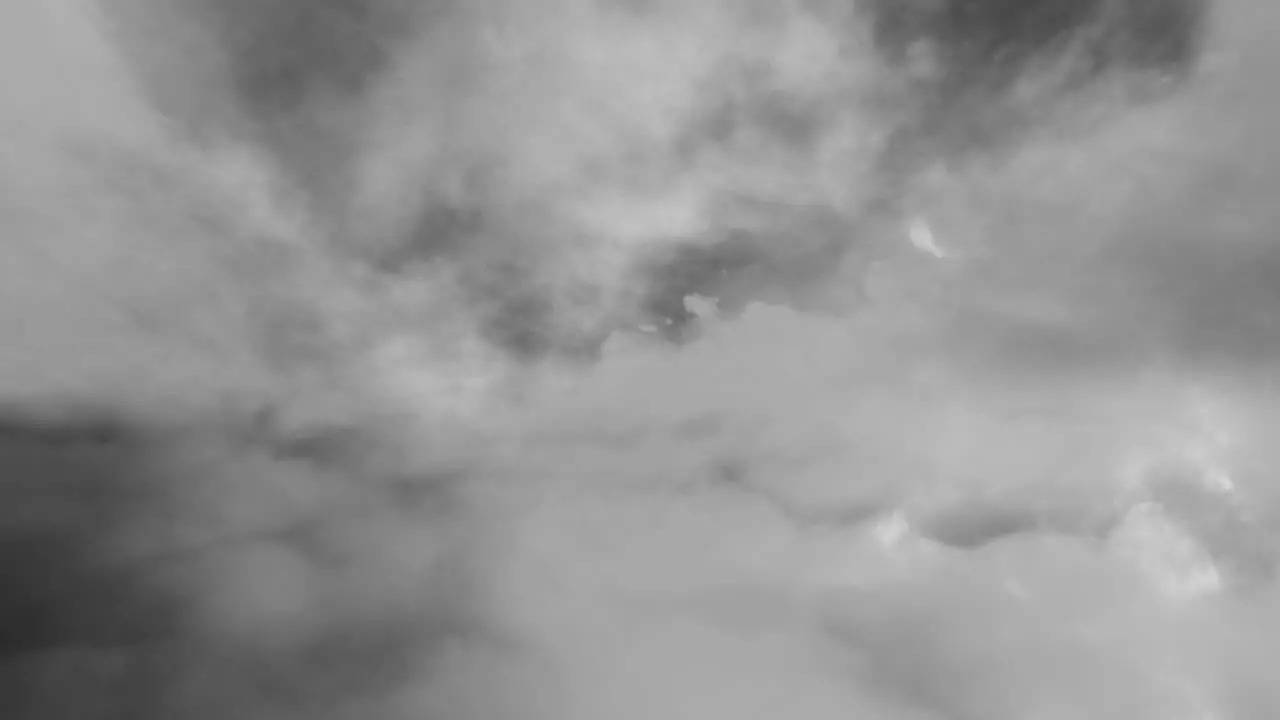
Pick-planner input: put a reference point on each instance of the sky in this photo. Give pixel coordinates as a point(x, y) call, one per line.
point(1003, 453)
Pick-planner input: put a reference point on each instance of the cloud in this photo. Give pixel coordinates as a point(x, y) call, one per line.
point(1021, 469)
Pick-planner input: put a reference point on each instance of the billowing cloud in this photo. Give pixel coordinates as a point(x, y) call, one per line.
point(968, 414)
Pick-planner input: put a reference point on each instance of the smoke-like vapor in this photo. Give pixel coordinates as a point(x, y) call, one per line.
point(612, 359)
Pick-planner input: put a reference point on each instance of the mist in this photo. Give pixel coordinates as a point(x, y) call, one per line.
point(613, 360)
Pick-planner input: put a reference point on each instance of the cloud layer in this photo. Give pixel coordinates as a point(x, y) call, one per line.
point(979, 428)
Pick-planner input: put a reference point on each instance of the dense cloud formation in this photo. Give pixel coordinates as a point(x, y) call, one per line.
point(620, 359)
